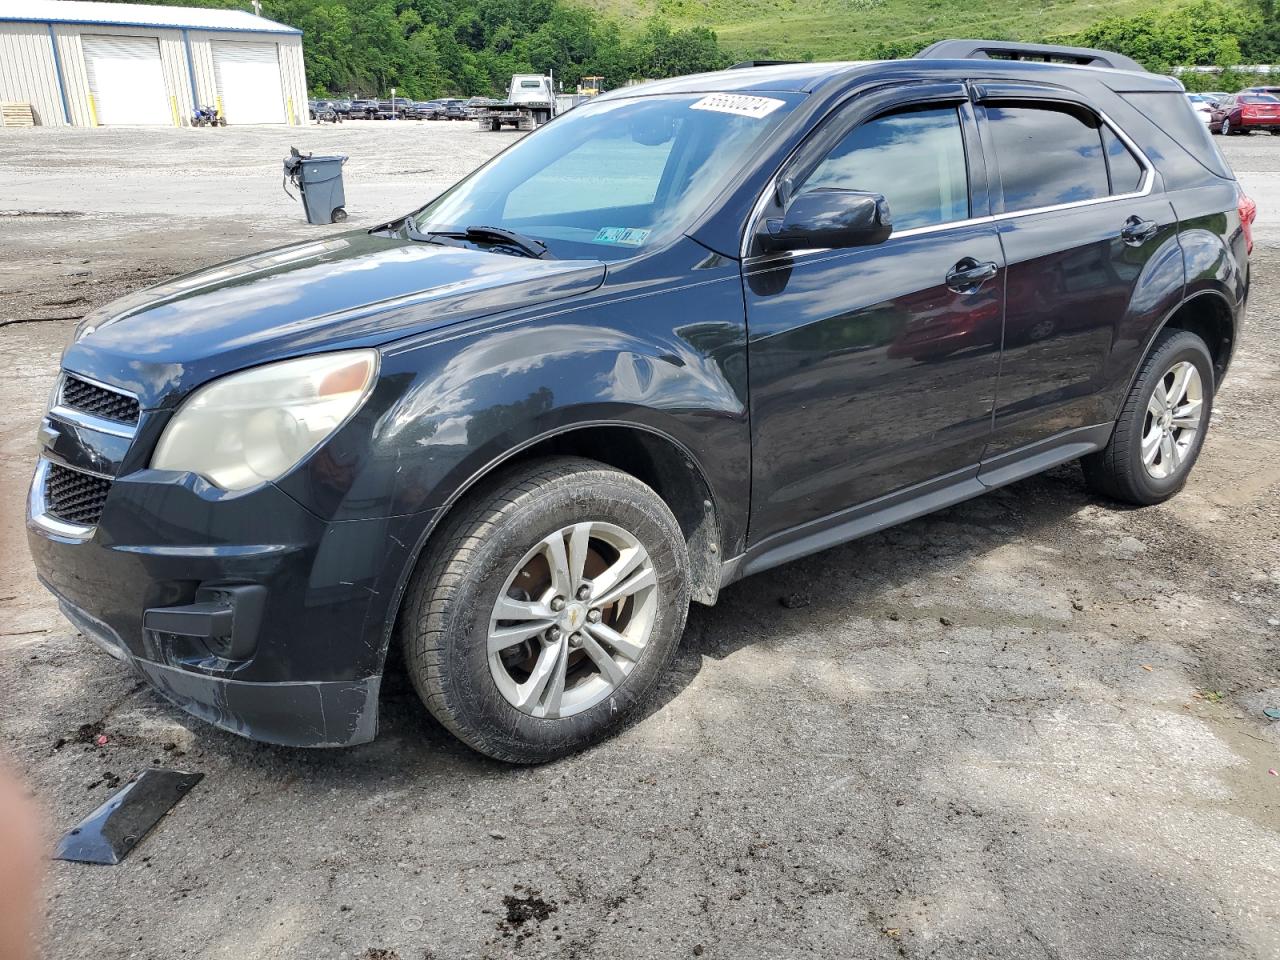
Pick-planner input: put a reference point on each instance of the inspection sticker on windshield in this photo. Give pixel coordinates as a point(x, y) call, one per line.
point(738, 104)
point(629, 236)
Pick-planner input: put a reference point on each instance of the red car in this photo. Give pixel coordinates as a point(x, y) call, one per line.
point(1246, 112)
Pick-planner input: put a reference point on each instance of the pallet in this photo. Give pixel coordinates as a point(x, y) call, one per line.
point(14, 114)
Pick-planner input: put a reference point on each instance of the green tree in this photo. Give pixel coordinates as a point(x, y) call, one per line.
point(1203, 34)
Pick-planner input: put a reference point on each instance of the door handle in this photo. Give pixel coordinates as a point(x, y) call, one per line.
point(1137, 231)
point(968, 275)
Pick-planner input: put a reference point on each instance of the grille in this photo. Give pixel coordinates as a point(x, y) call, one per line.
point(98, 400)
point(74, 496)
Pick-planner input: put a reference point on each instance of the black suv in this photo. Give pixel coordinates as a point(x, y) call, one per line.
point(684, 333)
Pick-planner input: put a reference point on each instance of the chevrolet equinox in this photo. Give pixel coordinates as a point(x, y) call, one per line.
point(684, 333)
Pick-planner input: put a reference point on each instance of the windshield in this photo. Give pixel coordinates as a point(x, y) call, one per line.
point(1259, 98)
point(615, 176)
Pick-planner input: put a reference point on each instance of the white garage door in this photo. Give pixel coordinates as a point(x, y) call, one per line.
point(248, 77)
point(126, 80)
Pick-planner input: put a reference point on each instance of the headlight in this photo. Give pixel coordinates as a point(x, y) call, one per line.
point(251, 427)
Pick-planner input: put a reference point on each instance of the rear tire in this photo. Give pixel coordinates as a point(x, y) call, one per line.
point(1161, 427)
point(533, 686)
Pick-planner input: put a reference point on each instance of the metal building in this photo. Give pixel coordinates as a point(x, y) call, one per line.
point(90, 64)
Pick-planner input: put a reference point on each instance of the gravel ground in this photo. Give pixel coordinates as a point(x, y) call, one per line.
point(1027, 726)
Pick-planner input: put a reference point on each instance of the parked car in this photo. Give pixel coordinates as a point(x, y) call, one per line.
point(400, 108)
point(446, 108)
point(1202, 105)
point(342, 108)
point(454, 109)
point(1245, 113)
point(363, 109)
point(517, 431)
point(427, 109)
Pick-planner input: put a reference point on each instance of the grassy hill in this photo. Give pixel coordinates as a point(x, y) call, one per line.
point(849, 29)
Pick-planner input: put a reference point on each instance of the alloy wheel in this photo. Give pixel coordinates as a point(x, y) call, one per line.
point(573, 619)
point(1173, 420)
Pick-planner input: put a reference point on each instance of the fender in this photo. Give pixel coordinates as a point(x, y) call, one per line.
point(508, 389)
point(1212, 293)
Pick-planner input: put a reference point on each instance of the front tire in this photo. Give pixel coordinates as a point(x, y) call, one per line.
point(547, 610)
point(1161, 427)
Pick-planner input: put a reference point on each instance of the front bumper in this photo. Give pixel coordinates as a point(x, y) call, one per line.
point(311, 601)
point(331, 713)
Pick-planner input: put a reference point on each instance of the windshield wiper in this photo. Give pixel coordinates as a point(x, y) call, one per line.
point(499, 236)
point(534, 248)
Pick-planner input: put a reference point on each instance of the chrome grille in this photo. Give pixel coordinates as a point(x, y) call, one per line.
point(99, 401)
point(73, 496)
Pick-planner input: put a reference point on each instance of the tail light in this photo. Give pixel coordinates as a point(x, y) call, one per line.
point(1248, 213)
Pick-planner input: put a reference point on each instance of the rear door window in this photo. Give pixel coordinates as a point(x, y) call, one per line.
point(1125, 170)
point(1047, 154)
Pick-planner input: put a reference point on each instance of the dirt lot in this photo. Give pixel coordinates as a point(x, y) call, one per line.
point(1027, 726)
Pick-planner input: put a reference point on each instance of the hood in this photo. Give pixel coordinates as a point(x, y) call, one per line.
point(352, 290)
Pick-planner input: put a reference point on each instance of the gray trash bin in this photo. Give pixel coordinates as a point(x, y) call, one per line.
point(319, 180)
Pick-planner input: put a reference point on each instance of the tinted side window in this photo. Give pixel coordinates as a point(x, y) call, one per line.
point(916, 159)
point(1172, 114)
point(1047, 155)
point(1126, 172)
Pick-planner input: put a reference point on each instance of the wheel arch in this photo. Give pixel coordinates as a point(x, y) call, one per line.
point(640, 450)
point(1209, 315)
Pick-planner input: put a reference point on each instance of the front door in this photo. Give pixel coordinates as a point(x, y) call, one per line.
point(874, 369)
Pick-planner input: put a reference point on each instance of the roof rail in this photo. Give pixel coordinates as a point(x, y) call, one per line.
point(748, 64)
point(1017, 50)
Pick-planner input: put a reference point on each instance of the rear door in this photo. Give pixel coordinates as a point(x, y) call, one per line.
point(126, 81)
point(873, 369)
point(1085, 241)
point(248, 77)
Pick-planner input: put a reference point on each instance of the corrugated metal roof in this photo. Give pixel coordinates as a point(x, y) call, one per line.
point(137, 15)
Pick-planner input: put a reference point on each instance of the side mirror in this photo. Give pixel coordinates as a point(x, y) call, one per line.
point(830, 218)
